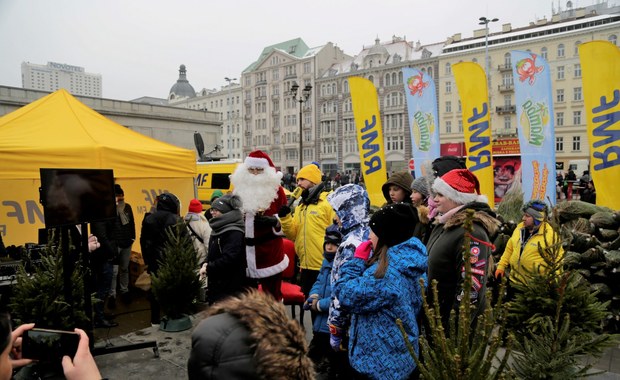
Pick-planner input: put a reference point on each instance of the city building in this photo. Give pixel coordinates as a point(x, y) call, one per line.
point(557, 41)
point(382, 64)
point(54, 76)
point(225, 102)
point(272, 118)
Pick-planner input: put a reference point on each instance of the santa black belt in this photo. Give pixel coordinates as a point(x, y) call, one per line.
point(251, 242)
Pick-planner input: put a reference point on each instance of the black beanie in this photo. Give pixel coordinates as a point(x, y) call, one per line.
point(332, 235)
point(394, 224)
point(118, 190)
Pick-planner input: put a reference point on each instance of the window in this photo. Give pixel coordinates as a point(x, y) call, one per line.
point(448, 106)
point(448, 69)
point(429, 72)
point(613, 39)
point(307, 67)
point(543, 52)
point(448, 126)
point(507, 80)
point(275, 74)
point(559, 95)
point(507, 100)
point(507, 60)
point(345, 87)
point(560, 72)
point(559, 144)
point(349, 125)
point(577, 70)
point(560, 50)
point(559, 119)
point(576, 143)
point(507, 122)
point(577, 117)
point(577, 43)
point(460, 126)
point(577, 94)
point(371, 79)
point(448, 87)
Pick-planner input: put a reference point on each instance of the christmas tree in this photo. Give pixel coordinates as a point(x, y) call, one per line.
point(556, 320)
point(176, 284)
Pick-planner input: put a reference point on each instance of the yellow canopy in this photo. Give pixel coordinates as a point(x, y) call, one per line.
point(58, 131)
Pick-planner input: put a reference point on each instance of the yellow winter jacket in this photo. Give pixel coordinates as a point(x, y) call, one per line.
point(530, 257)
point(307, 229)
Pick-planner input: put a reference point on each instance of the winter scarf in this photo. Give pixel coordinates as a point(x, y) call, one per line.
point(120, 210)
point(231, 221)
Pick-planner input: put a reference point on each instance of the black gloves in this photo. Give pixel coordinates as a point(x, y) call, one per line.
point(265, 221)
point(284, 211)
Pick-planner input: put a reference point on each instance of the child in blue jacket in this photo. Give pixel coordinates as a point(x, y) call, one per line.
point(320, 296)
point(377, 289)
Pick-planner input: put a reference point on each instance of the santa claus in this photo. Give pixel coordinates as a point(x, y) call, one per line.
point(257, 183)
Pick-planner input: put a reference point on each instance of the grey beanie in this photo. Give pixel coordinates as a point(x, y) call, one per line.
point(420, 185)
point(227, 203)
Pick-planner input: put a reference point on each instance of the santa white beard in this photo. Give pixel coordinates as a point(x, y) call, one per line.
point(257, 191)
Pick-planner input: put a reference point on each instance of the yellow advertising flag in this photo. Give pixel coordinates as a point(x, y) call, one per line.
point(600, 70)
point(369, 137)
point(471, 82)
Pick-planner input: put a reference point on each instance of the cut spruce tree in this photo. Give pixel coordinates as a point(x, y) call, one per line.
point(556, 320)
point(466, 349)
point(176, 285)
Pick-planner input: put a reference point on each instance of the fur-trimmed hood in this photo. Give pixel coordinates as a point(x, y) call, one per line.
point(252, 324)
point(483, 215)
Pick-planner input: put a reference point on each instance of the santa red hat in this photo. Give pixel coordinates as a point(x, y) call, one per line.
point(258, 159)
point(460, 185)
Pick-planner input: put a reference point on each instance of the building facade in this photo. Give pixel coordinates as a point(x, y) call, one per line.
point(272, 118)
point(382, 63)
point(54, 76)
point(225, 102)
point(555, 40)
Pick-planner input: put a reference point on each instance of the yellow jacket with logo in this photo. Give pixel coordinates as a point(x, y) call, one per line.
point(307, 229)
point(529, 258)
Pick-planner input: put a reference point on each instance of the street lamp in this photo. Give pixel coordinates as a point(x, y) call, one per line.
point(305, 94)
point(230, 111)
point(485, 21)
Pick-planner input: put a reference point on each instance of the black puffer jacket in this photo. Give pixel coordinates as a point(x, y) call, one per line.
point(249, 337)
point(154, 226)
point(445, 253)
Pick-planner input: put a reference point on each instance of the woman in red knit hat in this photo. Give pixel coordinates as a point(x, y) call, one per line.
point(454, 193)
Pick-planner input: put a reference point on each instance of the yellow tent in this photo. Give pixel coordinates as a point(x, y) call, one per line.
point(58, 131)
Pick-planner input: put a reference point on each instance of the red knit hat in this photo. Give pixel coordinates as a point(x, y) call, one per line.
point(258, 159)
point(195, 206)
point(460, 185)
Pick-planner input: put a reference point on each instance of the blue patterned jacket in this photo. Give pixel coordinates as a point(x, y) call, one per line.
point(376, 345)
point(352, 206)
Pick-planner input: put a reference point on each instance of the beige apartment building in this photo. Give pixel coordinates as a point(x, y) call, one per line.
point(271, 117)
point(557, 41)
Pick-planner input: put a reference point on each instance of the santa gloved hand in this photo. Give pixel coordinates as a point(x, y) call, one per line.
point(335, 338)
point(284, 211)
point(363, 250)
point(265, 221)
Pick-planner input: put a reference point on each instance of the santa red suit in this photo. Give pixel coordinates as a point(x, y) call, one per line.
point(262, 197)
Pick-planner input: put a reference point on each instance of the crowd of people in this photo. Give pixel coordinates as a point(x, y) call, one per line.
point(359, 271)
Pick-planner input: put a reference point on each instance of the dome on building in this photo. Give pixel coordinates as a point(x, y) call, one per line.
point(182, 88)
point(378, 49)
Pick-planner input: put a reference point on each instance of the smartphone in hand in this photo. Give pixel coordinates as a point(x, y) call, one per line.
point(49, 345)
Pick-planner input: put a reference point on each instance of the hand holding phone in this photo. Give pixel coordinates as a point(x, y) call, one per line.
point(82, 366)
point(49, 345)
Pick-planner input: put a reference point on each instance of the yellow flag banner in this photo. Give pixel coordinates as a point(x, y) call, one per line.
point(369, 137)
point(600, 70)
point(472, 86)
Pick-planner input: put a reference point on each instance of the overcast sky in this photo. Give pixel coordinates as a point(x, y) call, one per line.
point(138, 45)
